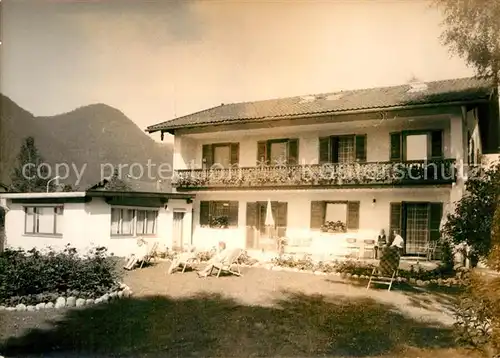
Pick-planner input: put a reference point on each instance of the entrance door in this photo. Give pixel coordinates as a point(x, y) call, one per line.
point(417, 228)
point(258, 235)
point(177, 234)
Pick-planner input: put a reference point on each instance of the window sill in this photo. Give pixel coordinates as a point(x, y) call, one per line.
point(114, 236)
point(49, 236)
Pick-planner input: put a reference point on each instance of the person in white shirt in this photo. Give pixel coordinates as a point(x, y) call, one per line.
point(398, 241)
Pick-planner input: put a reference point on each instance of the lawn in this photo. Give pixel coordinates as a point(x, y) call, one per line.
point(263, 313)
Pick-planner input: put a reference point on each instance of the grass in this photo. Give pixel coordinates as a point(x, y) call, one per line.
point(189, 317)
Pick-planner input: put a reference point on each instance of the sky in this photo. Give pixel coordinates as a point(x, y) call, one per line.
point(156, 60)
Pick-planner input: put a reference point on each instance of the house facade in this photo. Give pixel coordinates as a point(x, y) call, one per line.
point(337, 168)
point(96, 218)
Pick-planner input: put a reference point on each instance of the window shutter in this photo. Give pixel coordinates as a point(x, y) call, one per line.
point(335, 143)
point(293, 151)
point(261, 152)
point(324, 150)
point(317, 214)
point(396, 147)
point(436, 214)
point(352, 215)
point(281, 218)
point(207, 156)
point(395, 222)
point(361, 148)
point(437, 144)
point(252, 214)
point(233, 214)
point(204, 213)
point(235, 153)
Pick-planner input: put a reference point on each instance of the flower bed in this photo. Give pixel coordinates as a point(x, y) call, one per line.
point(352, 269)
point(32, 280)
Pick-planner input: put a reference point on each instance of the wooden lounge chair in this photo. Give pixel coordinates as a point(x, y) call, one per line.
point(387, 269)
point(150, 255)
point(183, 259)
point(227, 263)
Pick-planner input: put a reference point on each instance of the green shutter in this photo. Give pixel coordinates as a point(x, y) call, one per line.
point(281, 218)
point(261, 152)
point(252, 211)
point(207, 155)
point(293, 151)
point(395, 221)
point(317, 214)
point(361, 148)
point(437, 144)
point(396, 150)
point(204, 213)
point(233, 214)
point(235, 153)
point(436, 214)
point(324, 150)
point(353, 215)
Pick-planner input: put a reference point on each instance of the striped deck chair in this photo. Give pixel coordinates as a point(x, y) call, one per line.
point(227, 263)
point(151, 254)
point(387, 269)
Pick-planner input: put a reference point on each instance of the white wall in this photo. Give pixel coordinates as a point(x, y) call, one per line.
point(372, 217)
point(88, 225)
point(188, 147)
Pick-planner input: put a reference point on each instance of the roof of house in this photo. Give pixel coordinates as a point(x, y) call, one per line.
point(438, 92)
point(137, 185)
point(95, 193)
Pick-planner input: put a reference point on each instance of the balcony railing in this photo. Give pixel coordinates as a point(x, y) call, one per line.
point(324, 175)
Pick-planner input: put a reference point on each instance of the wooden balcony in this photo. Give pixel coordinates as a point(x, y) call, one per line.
point(318, 176)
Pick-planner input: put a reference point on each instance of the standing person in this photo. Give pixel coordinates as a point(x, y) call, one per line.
point(381, 243)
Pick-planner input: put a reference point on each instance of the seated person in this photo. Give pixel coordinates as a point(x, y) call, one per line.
point(220, 256)
point(182, 258)
point(140, 254)
point(381, 242)
point(398, 241)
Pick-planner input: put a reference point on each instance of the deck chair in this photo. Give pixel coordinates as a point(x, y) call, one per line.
point(184, 259)
point(150, 255)
point(387, 269)
point(227, 263)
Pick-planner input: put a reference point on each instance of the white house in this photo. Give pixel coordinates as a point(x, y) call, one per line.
point(388, 158)
point(96, 218)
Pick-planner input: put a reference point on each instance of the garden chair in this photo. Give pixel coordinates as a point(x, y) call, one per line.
point(369, 249)
point(183, 259)
point(387, 269)
point(150, 254)
point(353, 249)
point(227, 263)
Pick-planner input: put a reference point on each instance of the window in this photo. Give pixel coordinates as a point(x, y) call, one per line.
point(342, 149)
point(220, 155)
point(219, 214)
point(416, 145)
point(44, 220)
point(333, 211)
point(278, 151)
point(133, 222)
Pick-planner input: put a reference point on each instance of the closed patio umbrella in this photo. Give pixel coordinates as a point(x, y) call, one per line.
point(269, 217)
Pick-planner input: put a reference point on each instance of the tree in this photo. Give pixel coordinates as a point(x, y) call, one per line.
point(30, 175)
point(115, 183)
point(471, 223)
point(472, 31)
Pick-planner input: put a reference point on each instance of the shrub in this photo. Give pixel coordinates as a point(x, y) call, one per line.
point(471, 223)
point(32, 276)
point(354, 268)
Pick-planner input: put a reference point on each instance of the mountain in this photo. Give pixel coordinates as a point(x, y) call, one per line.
point(89, 138)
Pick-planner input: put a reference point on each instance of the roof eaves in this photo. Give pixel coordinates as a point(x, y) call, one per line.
point(314, 114)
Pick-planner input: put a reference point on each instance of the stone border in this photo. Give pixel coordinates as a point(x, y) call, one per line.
point(61, 302)
point(448, 282)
